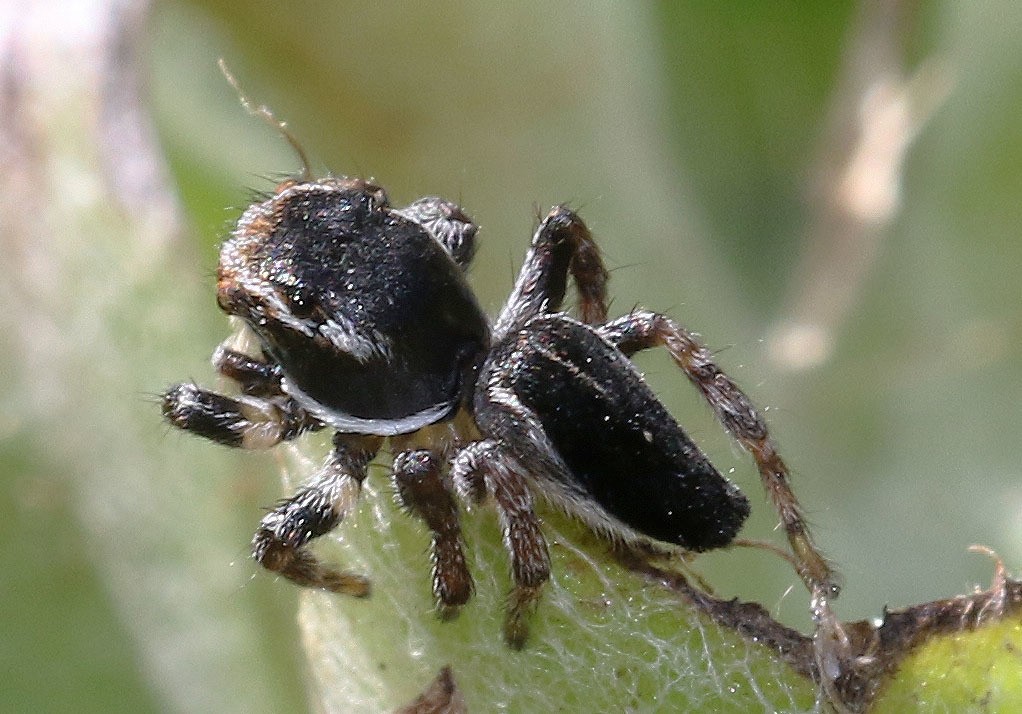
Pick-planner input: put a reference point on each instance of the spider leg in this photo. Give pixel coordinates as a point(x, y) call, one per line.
point(447, 223)
point(423, 492)
point(260, 418)
point(245, 422)
point(523, 538)
point(642, 330)
point(256, 377)
point(468, 470)
point(561, 244)
point(318, 506)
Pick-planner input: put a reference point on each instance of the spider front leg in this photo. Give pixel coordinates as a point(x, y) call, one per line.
point(523, 538)
point(245, 422)
point(561, 244)
point(421, 489)
point(447, 223)
point(256, 377)
point(318, 506)
point(260, 418)
point(735, 411)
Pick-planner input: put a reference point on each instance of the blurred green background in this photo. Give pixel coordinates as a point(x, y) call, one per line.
point(689, 136)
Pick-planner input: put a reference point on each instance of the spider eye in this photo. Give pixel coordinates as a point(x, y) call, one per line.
point(302, 301)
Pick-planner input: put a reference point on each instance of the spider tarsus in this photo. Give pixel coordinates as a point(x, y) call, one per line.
point(521, 604)
point(303, 568)
point(346, 583)
point(207, 414)
point(446, 612)
point(813, 568)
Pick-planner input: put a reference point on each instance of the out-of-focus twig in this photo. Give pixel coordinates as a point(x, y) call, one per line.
point(877, 110)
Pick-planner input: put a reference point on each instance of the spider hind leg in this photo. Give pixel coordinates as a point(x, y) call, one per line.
point(642, 330)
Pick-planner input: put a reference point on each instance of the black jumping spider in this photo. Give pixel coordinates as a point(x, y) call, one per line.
point(368, 327)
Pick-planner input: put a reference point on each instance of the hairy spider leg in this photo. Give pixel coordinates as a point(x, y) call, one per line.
point(447, 223)
point(734, 410)
point(244, 422)
point(262, 417)
point(421, 489)
point(561, 245)
point(523, 538)
point(256, 377)
point(316, 508)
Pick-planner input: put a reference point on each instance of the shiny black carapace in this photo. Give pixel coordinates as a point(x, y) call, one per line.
point(366, 325)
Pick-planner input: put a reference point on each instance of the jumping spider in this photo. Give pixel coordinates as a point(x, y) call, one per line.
point(368, 327)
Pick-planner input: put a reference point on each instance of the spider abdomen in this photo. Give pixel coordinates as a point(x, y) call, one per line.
point(622, 452)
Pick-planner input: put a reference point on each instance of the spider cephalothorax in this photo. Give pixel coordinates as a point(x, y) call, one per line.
point(367, 326)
